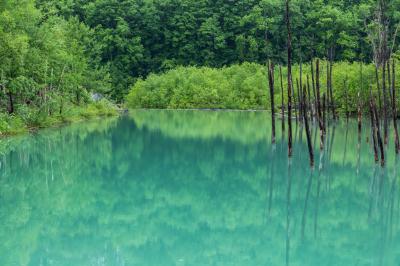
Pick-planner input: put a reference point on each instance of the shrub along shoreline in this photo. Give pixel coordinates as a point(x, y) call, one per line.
point(28, 120)
point(245, 87)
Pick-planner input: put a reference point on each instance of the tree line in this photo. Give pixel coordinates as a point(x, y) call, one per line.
point(46, 65)
point(136, 37)
point(54, 52)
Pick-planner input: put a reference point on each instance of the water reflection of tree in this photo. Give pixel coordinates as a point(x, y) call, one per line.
point(155, 198)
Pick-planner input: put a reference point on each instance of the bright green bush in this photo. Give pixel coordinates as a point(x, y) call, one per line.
point(11, 124)
point(245, 87)
point(100, 108)
point(30, 118)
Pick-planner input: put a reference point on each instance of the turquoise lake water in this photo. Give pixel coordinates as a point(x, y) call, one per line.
point(196, 188)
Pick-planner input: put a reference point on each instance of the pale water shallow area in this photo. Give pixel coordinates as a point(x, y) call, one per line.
point(195, 188)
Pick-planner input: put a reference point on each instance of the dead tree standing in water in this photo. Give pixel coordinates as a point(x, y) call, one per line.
point(309, 106)
point(346, 98)
point(282, 99)
point(271, 92)
point(299, 105)
point(378, 133)
point(385, 105)
point(359, 102)
point(373, 130)
point(359, 114)
point(305, 118)
point(289, 77)
point(394, 109)
point(313, 88)
point(378, 33)
point(330, 88)
point(324, 101)
point(320, 118)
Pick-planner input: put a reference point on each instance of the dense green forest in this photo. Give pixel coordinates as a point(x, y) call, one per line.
point(133, 38)
point(56, 53)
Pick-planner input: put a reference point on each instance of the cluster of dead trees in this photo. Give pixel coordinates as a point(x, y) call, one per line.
point(311, 105)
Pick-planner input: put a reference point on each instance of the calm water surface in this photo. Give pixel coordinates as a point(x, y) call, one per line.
point(195, 188)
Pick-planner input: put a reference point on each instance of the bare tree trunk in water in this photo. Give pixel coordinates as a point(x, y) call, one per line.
point(313, 88)
point(309, 104)
point(305, 118)
point(332, 100)
point(271, 92)
point(378, 87)
point(289, 77)
point(373, 129)
point(385, 105)
point(298, 106)
point(394, 109)
point(320, 117)
point(346, 93)
point(378, 133)
point(282, 100)
point(359, 101)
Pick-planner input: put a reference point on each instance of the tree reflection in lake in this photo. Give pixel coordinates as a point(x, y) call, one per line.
point(192, 188)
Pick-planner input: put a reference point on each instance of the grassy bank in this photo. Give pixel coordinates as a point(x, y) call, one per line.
point(245, 87)
point(27, 119)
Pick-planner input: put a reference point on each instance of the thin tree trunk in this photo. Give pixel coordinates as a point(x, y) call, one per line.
point(373, 129)
point(300, 88)
point(321, 119)
point(310, 107)
point(332, 100)
point(289, 77)
point(299, 105)
point(328, 94)
point(294, 104)
point(385, 105)
point(394, 109)
point(305, 118)
point(313, 88)
point(346, 95)
point(389, 81)
point(271, 92)
point(319, 114)
point(378, 87)
point(378, 133)
point(324, 101)
point(282, 99)
point(359, 101)
point(359, 114)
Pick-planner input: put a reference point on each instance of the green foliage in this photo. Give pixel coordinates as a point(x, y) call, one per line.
point(45, 65)
point(134, 38)
point(245, 87)
point(100, 108)
point(11, 124)
point(56, 52)
point(235, 87)
point(32, 118)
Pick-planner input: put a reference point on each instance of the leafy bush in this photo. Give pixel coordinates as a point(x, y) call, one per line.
point(100, 108)
point(32, 117)
point(245, 87)
point(11, 124)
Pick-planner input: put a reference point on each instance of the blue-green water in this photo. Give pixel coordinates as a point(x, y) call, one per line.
point(195, 188)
